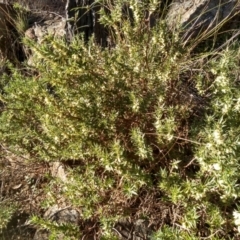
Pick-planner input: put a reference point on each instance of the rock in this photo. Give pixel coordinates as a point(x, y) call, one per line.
point(54, 26)
point(51, 25)
point(62, 215)
point(58, 215)
point(136, 231)
point(58, 171)
point(199, 16)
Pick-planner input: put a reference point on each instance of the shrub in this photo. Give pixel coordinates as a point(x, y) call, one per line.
point(144, 118)
point(7, 211)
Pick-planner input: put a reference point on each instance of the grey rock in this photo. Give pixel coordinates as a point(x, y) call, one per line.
point(58, 170)
point(138, 230)
point(59, 215)
point(200, 16)
point(54, 26)
point(62, 215)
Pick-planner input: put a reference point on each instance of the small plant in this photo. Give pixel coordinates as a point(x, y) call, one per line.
point(21, 22)
point(6, 213)
point(143, 120)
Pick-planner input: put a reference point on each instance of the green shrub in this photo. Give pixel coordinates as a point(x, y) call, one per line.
point(64, 231)
point(143, 116)
point(6, 213)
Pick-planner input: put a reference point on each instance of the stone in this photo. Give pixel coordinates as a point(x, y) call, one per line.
point(200, 16)
point(59, 215)
point(62, 215)
point(135, 231)
point(55, 27)
point(57, 170)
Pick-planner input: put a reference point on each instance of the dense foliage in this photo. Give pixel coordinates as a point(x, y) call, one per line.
point(145, 119)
